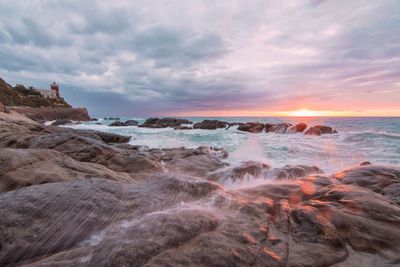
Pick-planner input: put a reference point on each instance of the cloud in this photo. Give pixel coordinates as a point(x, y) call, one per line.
point(177, 56)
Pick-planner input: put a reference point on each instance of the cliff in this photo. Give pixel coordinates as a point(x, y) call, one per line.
point(30, 103)
point(28, 97)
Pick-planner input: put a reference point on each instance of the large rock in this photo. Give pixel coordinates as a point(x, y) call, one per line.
point(298, 128)
point(170, 220)
point(131, 123)
point(320, 129)
point(117, 123)
point(126, 123)
point(251, 127)
point(210, 124)
point(164, 122)
point(26, 167)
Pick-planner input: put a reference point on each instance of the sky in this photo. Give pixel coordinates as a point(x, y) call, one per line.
point(208, 58)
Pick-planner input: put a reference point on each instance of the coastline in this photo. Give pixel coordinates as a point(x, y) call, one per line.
point(94, 199)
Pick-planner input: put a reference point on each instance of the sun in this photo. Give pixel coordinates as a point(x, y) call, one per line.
point(304, 113)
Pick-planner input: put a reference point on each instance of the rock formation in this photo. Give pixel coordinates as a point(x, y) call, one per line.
point(320, 129)
point(85, 198)
point(126, 123)
point(210, 124)
point(252, 127)
point(164, 122)
point(278, 128)
point(298, 128)
point(53, 113)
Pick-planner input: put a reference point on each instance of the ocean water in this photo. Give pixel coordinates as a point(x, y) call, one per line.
point(359, 139)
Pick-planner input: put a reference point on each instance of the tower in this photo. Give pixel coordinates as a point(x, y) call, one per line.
point(54, 88)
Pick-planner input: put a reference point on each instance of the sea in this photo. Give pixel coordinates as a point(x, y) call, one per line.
point(359, 139)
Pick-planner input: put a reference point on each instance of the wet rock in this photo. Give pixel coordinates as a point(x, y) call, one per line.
point(320, 129)
point(164, 122)
point(117, 123)
point(198, 162)
point(168, 217)
point(251, 127)
point(131, 123)
point(25, 167)
point(210, 124)
point(298, 128)
point(183, 128)
point(277, 128)
point(247, 168)
point(365, 163)
point(293, 172)
point(61, 122)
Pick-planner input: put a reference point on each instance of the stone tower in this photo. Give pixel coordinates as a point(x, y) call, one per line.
point(54, 88)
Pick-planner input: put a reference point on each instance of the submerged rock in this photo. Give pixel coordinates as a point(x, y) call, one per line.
point(277, 128)
point(251, 127)
point(210, 124)
point(246, 169)
point(320, 129)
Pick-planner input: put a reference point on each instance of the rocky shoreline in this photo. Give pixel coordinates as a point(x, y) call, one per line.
point(250, 127)
point(87, 198)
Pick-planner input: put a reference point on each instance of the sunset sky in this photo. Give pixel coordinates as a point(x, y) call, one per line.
point(231, 58)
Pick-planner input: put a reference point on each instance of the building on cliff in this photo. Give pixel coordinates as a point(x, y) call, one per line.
point(54, 91)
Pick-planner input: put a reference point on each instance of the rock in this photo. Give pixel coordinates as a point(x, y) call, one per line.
point(3, 108)
point(247, 168)
point(230, 124)
point(105, 137)
point(170, 220)
point(252, 127)
point(277, 128)
point(50, 113)
point(294, 172)
point(98, 123)
point(298, 128)
point(183, 128)
point(131, 123)
point(112, 119)
point(93, 119)
point(61, 122)
point(163, 210)
point(197, 162)
point(365, 163)
point(164, 122)
point(210, 124)
point(25, 167)
point(320, 129)
point(117, 123)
